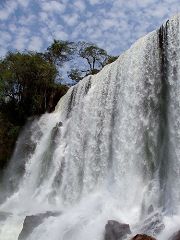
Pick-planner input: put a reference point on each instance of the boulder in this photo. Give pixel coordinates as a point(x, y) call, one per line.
point(175, 236)
point(142, 237)
point(33, 221)
point(116, 231)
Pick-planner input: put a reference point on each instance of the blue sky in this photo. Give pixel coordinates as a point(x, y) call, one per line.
point(112, 24)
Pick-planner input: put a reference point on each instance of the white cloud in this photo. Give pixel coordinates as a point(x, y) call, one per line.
point(35, 44)
point(113, 25)
point(53, 6)
point(109, 23)
point(61, 35)
point(20, 43)
point(45, 34)
point(5, 38)
point(23, 31)
point(23, 3)
point(27, 19)
point(12, 27)
point(43, 16)
point(80, 5)
point(71, 20)
point(94, 2)
point(3, 51)
point(6, 11)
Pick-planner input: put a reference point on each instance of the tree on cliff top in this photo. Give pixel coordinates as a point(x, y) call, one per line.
point(95, 56)
point(95, 59)
point(28, 84)
point(59, 52)
point(27, 88)
point(26, 81)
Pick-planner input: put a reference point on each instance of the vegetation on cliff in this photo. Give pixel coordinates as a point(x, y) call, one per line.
point(30, 84)
point(27, 88)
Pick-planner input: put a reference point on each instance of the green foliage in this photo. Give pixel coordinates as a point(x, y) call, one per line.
point(25, 78)
point(8, 136)
point(28, 84)
point(27, 88)
point(75, 74)
point(110, 59)
point(95, 57)
point(59, 52)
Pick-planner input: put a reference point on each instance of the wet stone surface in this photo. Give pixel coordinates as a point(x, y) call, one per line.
point(33, 221)
point(116, 231)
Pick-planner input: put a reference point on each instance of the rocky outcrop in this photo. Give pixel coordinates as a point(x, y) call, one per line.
point(33, 221)
point(175, 236)
point(116, 231)
point(142, 237)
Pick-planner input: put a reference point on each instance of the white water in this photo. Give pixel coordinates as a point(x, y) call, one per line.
point(116, 153)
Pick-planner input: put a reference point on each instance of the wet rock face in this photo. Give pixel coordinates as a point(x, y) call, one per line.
point(175, 236)
point(33, 221)
point(116, 231)
point(142, 237)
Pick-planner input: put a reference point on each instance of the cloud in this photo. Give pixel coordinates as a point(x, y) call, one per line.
point(94, 2)
point(20, 43)
point(43, 16)
point(113, 25)
point(12, 27)
point(71, 19)
point(6, 11)
point(3, 51)
point(27, 19)
point(80, 5)
point(35, 43)
point(60, 34)
point(52, 6)
point(5, 37)
point(5, 40)
point(23, 3)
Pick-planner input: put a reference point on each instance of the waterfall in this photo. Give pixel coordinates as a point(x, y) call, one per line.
point(110, 150)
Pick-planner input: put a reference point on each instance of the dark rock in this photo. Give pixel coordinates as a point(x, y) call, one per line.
point(175, 236)
point(142, 237)
point(116, 231)
point(60, 124)
point(33, 221)
point(152, 225)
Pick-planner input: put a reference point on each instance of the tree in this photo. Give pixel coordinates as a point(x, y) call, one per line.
point(75, 74)
point(25, 80)
point(110, 59)
point(95, 58)
point(28, 84)
point(59, 52)
point(27, 88)
point(94, 55)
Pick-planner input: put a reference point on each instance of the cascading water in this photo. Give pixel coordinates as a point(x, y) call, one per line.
point(110, 150)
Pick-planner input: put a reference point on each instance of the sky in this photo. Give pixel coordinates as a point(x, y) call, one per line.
point(111, 24)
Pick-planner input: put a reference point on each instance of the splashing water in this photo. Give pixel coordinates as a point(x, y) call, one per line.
point(110, 150)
